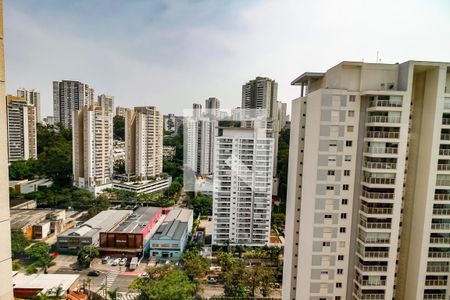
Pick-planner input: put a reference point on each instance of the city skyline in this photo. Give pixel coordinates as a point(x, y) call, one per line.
point(216, 47)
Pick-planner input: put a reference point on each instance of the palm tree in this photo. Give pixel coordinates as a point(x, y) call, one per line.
point(58, 292)
point(88, 282)
point(41, 296)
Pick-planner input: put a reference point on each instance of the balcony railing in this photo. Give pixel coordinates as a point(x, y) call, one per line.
point(440, 226)
point(375, 180)
point(366, 268)
point(435, 282)
point(376, 210)
point(383, 119)
point(445, 121)
point(380, 165)
point(370, 225)
point(442, 197)
point(444, 151)
point(381, 150)
point(440, 240)
point(434, 296)
point(445, 136)
point(439, 254)
point(441, 211)
point(384, 103)
point(443, 182)
point(374, 195)
point(374, 254)
point(443, 167)
point(383, 134)
point(367, 296)
point(372, 282)
point(438, 269)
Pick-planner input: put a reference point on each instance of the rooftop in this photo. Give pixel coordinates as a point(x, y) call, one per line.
point(138, 220)
point(174, 225)
point(46, 282)
point(21, 218)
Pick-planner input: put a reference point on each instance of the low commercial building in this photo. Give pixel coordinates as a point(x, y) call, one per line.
point(131, 237)
point(38, 223)
point(145, 186)
point(170, 239)
point(28, 286)
point(88, 233)
point(28, 186)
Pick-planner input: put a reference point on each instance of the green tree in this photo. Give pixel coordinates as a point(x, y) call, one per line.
point(175, 286)
point(86, 255)
point(16, 265)
point(267, 281)
point(31, 269)
point(39, 253)
point(202, 205)
point(194, 265)
point(56, 162)
point(18, 243)
point(119, 128)
point(234, 280)
point(113, 294)
point(119, 166)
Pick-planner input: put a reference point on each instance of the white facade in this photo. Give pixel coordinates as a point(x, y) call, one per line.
point(144, 142)
point(367, 186)
point(242, 194)
point(92, 148)
point(34, 98)
point(21, 129)
point(70, 96)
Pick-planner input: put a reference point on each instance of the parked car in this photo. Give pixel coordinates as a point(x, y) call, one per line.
point(93, 273)
point(105, 260)
point(116, 262)
point(123, 262)
point(134, 263)
point(143, 275)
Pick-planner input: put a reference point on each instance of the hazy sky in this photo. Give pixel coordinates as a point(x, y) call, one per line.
point(171, 53)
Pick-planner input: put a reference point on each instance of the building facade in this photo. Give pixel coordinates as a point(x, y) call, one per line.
point(108, 102)
point(121, 111)
point(367, 185)
point(144, 142)
point(92, 148)
point(34, 98)
point(70, 96)
point(21, 129)
point(242, 193)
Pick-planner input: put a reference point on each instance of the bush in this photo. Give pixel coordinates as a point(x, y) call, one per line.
point(31, 269)
point(16, 265)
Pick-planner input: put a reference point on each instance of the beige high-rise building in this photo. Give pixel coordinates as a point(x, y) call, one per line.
point(70, 96)
point(368, 212)
point(5, 231)
point(21, 129)
point(121, 111)
point(92, 148)
point(144, 142)
point(34, 98)
point(106, 101)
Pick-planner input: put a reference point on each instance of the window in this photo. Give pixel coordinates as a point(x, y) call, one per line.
point(350, 128)
point(332, 158)
point(345, 187)
point(348, 158)
point(352, 98)
point(337, 298)
point(331, 172)
point(338, 284)
point(327, 216)
point(330, 188)
point(342, 230)
point(346, 172)
point(340, 271)
point(348, 143)
point(351, 113)
point(343, 216)
point(340, 257)
point(332, 143)
point(324, 272)
point(326, 244)
point(344, 201)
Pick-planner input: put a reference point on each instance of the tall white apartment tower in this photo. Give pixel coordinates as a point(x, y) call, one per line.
point(92, 148)
point(368, 212)
point(144, 142)
point(6, 287)
point(242, 194)
point(106, 101)
point(70, 96)
point(200, 132)
point(34, 98)
point(21, 129)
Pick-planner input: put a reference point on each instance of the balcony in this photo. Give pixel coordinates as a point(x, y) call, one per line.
point(444, 151)
point(442, 197)
point(373, 254)
point(369, 268)
point(440, 226)
point(438, 268)
point(375, 225)
point(441, 211)
point(434, 296)
point(383, 135)
point(445, 136)
point(384, 103)
point(435, 282)
point(443, 167)
point(375, 195)
point(376, 210)
point(445, 121)
point(439, 254)
point(440, 240)
point(380, 165)
point(375, 180)
point(373, 282)
point(383, 119)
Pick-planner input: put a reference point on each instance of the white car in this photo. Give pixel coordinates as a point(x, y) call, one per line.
point(123, 262)
point(116, 262)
